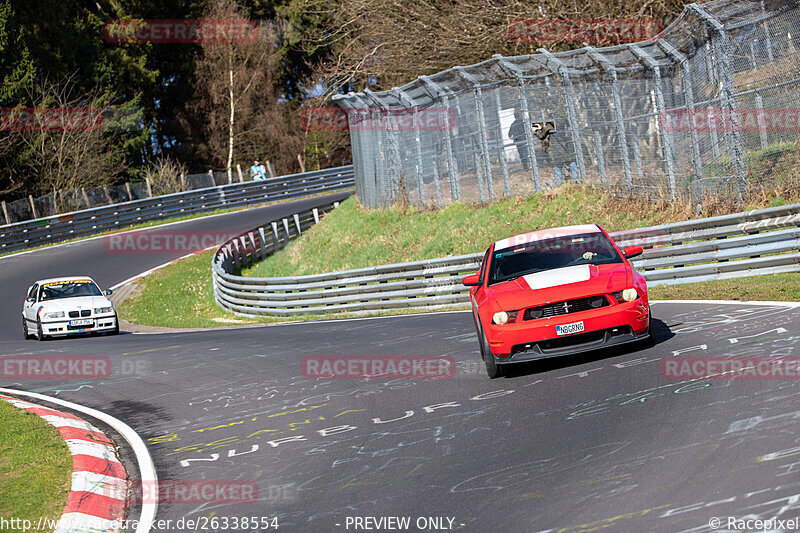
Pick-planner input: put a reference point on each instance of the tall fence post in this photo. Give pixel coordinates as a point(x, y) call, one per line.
point(516, 73)
point(405, 100)
point(33, 206)
point(484, 139)
point(452, 165)
point(479, 175)
point(501, 143)
point(238, 171)
point(601, 162)
point(688, 92)
point(5, 213)
point(149, 188)
point(572, 116)
point(637, 154)
point(129, 191)
point(436, 188)
point(762, 129)
point(721, 44)
point(666, 136)
point(619, 120)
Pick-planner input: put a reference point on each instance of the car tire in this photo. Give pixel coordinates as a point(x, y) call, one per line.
point(25, 333)
point(493, 370)
point(650, 341)
point(39, 333)
point(115, 331)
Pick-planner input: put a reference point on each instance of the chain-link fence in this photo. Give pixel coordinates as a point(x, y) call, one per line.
point(704, 108)
point(78, 199)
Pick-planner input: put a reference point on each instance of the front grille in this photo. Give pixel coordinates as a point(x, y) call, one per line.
point(588, 338)
point(73, 314)
point(86, 312)
point(82, 312)
point(566, 307)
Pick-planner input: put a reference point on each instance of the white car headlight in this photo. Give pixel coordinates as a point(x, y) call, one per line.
point(629, 295)
point(500, 318)
point(54, 314)
point(101, 310)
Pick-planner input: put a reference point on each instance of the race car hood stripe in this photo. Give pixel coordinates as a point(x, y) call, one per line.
point(559, 276)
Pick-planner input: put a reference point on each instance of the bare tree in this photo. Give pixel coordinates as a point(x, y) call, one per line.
point(387, 43)
point(164, 176)
point(238, 96)
point(65, 140)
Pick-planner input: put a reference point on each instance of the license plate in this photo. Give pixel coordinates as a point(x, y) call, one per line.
point(81, 322)
point(569, 329)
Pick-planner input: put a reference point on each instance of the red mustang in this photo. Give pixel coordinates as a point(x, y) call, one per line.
point(554, 292)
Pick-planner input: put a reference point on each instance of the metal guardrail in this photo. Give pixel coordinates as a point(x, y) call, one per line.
point(31, 233)
point(764, 241)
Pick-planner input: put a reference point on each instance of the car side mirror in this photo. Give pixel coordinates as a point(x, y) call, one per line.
point(632, 251)
point(471, 281)
point(108, 292)
point(30, 300)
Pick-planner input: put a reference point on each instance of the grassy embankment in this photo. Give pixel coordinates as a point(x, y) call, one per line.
point(180, 295)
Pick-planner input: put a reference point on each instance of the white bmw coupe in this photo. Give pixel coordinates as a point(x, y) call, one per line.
point(64, 306)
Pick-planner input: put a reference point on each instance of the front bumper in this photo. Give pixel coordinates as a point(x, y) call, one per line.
point(61, 327)
point(537, 339)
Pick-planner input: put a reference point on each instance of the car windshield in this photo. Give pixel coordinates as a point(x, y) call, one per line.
point(68, 289)
point(548, 254)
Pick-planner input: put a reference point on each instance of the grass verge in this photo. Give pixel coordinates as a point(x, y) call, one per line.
point(771, 288)
point(180, 295)
point(35, 467)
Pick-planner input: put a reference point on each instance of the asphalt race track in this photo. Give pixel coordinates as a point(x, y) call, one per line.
point(599, 442)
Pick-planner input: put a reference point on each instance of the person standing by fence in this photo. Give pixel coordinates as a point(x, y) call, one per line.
point(258, 171)
point(517, 133)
